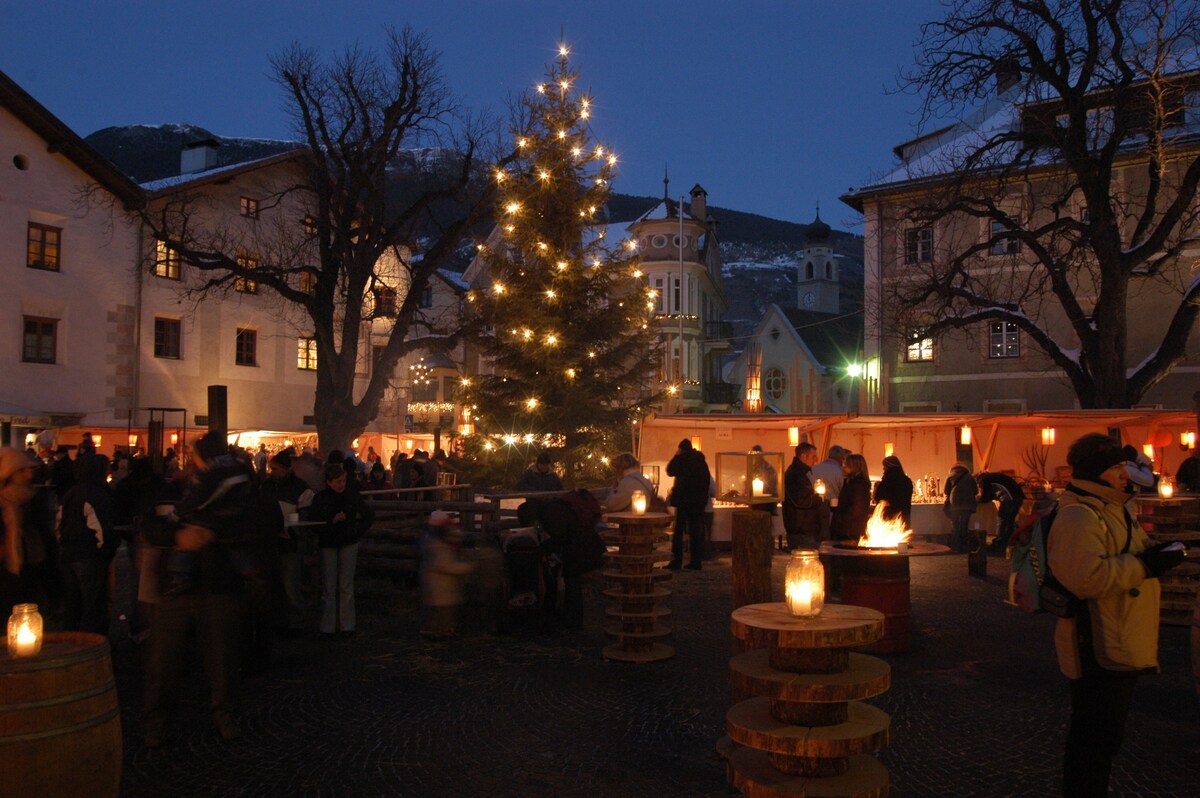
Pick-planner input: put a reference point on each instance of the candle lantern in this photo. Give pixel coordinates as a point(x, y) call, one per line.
point(804, 584)
point(24, 631)
point(1166, 488)
point(638, 502)
point(793, 436)
point(819, 487)
point(757, 485)
point(1047, 436)
point(964, 435)
point(889, 449)
point(1187, 440)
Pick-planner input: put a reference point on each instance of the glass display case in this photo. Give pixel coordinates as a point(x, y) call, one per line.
point(749, 477)
point(650, 472)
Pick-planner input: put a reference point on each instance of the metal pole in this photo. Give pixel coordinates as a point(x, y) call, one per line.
point(679, 305)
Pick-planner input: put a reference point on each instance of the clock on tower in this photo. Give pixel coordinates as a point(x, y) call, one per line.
point(810, 299)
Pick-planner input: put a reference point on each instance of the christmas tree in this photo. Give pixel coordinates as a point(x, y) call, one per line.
point(564, 310)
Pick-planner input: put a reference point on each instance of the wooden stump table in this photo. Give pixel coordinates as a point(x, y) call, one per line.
point(806, 732)
point(636, 617)
point(1169, 521)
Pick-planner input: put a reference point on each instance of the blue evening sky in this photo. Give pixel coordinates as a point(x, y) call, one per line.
point(771, 106)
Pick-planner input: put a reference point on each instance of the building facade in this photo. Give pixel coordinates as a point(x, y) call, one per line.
point(996, 246)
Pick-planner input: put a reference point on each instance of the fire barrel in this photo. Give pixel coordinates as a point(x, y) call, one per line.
point(60, 725)
point(880, 581)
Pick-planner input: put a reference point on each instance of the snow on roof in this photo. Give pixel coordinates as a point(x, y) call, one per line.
point(454, 278)
point(207, 174)
point(665, 209)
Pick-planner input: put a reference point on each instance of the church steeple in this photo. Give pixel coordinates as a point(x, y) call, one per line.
point(817, 283)
point(666, 184)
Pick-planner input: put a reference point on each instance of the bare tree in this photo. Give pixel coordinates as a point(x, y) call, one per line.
point(1072, 194)
point(383, 192)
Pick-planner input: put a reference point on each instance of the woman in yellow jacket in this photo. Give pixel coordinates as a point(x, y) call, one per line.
point(1101, 554)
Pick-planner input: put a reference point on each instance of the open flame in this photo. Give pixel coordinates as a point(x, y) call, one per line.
point(884, 533)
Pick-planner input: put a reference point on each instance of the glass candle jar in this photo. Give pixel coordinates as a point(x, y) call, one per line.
point(804, 584)
point(24, 631)
point(637, 502)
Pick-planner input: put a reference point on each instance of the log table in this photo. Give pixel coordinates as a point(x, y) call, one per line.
point(806, 732)
point(1168, 521)
point(636, 617)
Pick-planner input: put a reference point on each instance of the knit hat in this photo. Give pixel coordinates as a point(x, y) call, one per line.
point(283, 458)
point(891, 461)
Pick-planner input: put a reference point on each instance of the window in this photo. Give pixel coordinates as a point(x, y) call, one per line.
point(166, 261)
point(828, 271)
point(44, 245)
point(1004, 339)
point(1000, 244)
point(660, 294)
point(40, 341)
point(675, 294)
point(385, 301)
point(306, 354)
point(1101, 123)
point(918, 245)
point(377, 351)
point(1191, 108)
point(774, 383)
point(920, 348)
point(166, 338)
point(249, 208)
point(246, 347)
point(808, 271)
point(244, 284)
point(427, 297)
point(310, 225)
point(308, 282)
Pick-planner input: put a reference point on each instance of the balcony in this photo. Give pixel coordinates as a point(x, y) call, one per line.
point(719, 393)
point(718, 329)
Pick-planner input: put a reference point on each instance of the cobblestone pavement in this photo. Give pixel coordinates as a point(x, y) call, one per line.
point(978, 707)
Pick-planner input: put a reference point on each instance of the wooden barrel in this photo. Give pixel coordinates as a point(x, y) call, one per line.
point(880, 582)
point(60, 725)
point(1196, 644)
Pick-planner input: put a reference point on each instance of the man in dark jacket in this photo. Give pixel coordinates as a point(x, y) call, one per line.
point(346, 516)
point(87, 545)
point(994, 486)
point(283, 489)
point(895, 488)
point(802, 507)
point(214, 522)
point(961, 491)
point(540, 476)
point(688, 497)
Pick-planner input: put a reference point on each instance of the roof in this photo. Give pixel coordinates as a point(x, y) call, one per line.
point(665, 209)
point(61, 139)
point(833, 339)
point(220, 173)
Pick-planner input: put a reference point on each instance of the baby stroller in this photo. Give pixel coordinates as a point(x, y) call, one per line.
point(525, 571)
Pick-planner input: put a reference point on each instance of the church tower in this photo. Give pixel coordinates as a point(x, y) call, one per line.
point(817, 284)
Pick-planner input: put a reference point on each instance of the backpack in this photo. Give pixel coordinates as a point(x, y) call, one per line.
point(1031, 585)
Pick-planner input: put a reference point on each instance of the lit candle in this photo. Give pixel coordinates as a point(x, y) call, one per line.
point(1166, 489)
point(800, 598)
point(638, 502)
point(26, 641)
point(804, 584)
point(819, 486)
point(24, 631)
point(757, 486)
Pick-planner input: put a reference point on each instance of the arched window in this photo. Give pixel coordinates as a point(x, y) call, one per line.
point(808, 270)
point(828, 271)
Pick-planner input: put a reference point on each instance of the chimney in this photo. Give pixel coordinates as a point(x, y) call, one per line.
point(198, 156)
point(699, 207)
point(1008, 74)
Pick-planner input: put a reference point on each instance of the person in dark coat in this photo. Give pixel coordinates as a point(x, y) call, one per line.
point(88, 541)
point(895, 488)
point(540, 476)
point(216, 518)
point(18, 584)
point(961, 490)
point(284, 489)
point(1187, 478)
point(688, 497)
point(994, 486)
point(346, 516)
point(803, 509)
point(849, 521)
